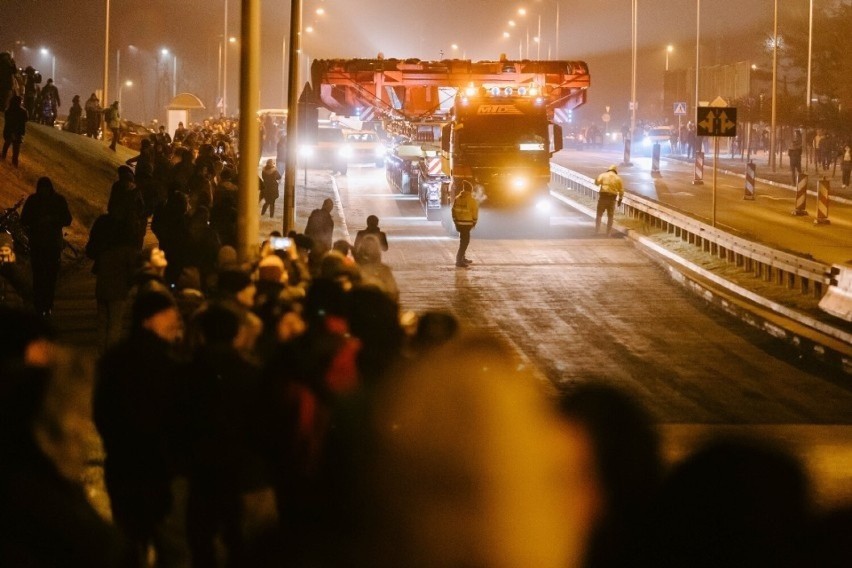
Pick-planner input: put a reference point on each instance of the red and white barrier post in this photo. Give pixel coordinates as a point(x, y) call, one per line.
point(822, 202)
point(801, 195)
point(749, 181)
point(699, 169)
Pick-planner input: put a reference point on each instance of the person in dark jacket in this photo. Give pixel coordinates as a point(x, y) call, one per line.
point(75, 116)
point(127, 203)
point(269, 188)
point(372, 229)
point(93, 116)
point(320, 228)
point(221, 392)
point(14, 128)
point(44, 215)
point(112, 245)
point(136, 412)
point(49, 103)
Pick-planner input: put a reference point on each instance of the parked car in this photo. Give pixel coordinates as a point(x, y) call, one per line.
point(661, 135)
point(132, 134)
point(364, 147)
point(328, 151)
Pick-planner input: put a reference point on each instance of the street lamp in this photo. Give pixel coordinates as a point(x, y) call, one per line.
point(165, 52)
point(669, 49)
point(128, 84)
point(774, 87)
point(46, 52)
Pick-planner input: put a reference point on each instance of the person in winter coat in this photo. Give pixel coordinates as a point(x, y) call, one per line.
point(93, 116)
point(465, 216)
point(269, 189)
point(44, 215)
point(75, 116)
point(112, 245)
point(113, 122)
point(320, 228)
point(14, 128)
point(372, 229)
point(49, 103)
point(127, 204)
point(373, 271)
point(136, 412)
point(611, 190)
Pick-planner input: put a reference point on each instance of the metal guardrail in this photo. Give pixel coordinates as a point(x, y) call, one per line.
point(785, 269)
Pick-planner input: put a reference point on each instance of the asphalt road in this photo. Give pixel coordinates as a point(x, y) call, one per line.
point(585, 308)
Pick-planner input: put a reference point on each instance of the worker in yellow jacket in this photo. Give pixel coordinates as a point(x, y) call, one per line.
point(465, 215)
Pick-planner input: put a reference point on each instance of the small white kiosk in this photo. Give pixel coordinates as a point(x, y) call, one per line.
point(178, 110)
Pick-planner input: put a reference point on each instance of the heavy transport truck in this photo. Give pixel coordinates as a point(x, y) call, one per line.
point(489, 124)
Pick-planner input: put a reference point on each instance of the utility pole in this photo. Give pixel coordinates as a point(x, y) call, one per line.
point(248, 223)
point(289, 220)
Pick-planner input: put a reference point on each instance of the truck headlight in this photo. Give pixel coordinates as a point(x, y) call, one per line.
point(306, 151)
point(544, 205)
point(380, 151)
point(519, 184)
point(345, 151)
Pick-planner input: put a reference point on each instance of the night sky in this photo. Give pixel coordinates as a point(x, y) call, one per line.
point(595, 31)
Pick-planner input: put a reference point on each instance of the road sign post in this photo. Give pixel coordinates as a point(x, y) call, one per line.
point(716, 120)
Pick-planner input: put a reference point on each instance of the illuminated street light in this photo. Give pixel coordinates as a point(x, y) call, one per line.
point(165, 52)
point(669, 49)
point(128, 83)
point(46, 53)
point(506, 34)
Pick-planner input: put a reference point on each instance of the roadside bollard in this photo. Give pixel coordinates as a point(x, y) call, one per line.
point(626, 161)
point(801, 195)
point(655, 159)
point(822, 202)
point(699, 169)
point(749, 181)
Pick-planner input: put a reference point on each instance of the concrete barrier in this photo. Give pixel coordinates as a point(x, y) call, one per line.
point(837, 300)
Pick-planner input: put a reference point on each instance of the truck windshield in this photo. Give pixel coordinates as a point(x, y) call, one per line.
point(503, 130)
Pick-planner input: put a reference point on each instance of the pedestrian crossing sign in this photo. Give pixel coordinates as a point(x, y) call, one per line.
point(680, 108)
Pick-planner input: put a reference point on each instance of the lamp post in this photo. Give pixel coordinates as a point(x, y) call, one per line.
point(46, 52)
point(669, 49)
point(128, 84)
point(774, 88)
point(633, 70)
point(106, 54)
point(289, 216)
point(225, 63)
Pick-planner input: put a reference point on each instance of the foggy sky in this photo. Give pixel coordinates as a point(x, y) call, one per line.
point(597, 31)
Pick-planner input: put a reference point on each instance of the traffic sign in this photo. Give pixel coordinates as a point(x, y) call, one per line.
point(716, 121)
point(605, 117)
point(680, 108)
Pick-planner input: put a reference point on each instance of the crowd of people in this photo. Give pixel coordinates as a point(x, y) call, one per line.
point(291, 415)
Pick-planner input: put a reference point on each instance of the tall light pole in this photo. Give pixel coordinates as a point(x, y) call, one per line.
point(774, 88)
point(46, 52)
point(669, 49)
point(633, 31)
point(810, 52)
point(106, 55)
point(289, 217)
point(248, 223)
point(225, 65)
point(127, 83)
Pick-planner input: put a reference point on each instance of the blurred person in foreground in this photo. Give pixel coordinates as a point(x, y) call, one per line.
point(448, 483)
point(45, 516)
point(136, 411)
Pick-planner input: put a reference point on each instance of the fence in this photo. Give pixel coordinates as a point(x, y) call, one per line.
point(784, 269)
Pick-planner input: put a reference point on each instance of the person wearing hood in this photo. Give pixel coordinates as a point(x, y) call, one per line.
point(611, 190)
point(44, 215)
point(269, 188)
point(14, 128)
point(112, 118)
point(75, 116)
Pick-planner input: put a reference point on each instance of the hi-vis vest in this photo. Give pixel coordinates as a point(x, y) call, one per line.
point(465, 209)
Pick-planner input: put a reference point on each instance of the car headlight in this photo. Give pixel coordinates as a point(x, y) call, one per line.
point(380, 151)
point(519, 184)
point(345, 151)
point(646, 142)
point(544, 205)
